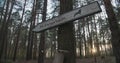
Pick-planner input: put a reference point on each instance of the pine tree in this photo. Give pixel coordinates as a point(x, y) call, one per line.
point(115, 32)
point(42, 37)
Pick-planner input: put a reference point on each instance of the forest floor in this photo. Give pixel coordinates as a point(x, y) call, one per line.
point(33, 61)
point(107, 59)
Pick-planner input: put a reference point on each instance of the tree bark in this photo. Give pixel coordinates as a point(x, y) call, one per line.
point(66, 38)
point(31, 34)
point(18, 34)
point(42, 36)
point(2, 12)
point(4, 29)
point(115, 32)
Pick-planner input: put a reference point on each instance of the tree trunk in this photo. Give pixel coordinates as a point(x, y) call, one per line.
point(4, 29)
point(80, 38)
point(42, 37)
point(18, 34)
point(1, 30)
point(115, 32)
point(97, 43)
point(35, 48)
point(31, 34)
point(2, 12)
point(90, 34)
point(66, 38)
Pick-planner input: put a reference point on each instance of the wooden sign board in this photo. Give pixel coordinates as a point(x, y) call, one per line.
point(69, 16)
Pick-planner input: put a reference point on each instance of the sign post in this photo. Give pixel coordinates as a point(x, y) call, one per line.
point(69, 16)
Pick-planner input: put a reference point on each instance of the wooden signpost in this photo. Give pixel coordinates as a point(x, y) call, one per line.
point(69, 16)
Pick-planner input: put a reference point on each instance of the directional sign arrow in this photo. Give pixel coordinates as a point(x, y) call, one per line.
point(69, 16)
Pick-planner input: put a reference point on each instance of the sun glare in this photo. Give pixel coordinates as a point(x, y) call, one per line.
point(94, 51)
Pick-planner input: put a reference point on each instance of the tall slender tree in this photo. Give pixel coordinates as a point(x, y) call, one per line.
point(4, 28)
point(42, 37)
point(66, 38)
point(2, 11)
point(115, 32)
point(31, 34)
point(18, 34)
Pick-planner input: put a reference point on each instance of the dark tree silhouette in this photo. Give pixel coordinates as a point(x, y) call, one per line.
point(114, 27)
point(66, 38)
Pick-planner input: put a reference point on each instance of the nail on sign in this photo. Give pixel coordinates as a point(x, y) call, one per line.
point(69, 16)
